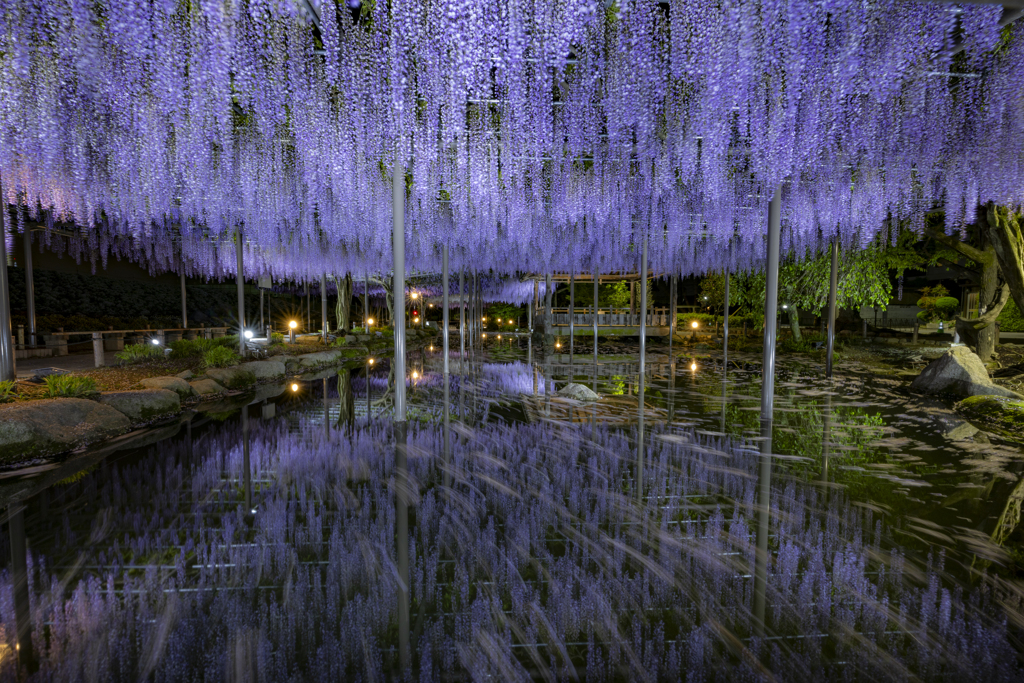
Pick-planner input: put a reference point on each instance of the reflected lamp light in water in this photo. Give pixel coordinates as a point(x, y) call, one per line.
point(693, 366)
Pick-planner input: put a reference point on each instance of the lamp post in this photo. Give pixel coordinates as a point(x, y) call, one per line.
point(291, 331)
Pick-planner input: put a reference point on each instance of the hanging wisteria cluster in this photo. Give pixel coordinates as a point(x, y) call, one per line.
point(534, 135)
point(548, 555)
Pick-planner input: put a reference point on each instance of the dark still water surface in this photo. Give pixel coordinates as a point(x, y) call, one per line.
point(863, 535)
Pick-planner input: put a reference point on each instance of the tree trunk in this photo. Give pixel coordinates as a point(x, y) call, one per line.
point(343, 306)
point(794, 321)
point(346, 399)
point(972, 330)
point(1006, 235)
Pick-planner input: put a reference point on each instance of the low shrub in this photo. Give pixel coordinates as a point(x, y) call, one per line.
point(192, 348)
point(69, 386)
point(7, 391)
point(136, 353)
point(276, 338)
point(220, 357)
point(1010, 318)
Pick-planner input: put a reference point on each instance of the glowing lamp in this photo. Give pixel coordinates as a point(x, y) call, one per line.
point(694, 324)
point(369, 321)
point(248, 334)
point(292, 325)
point(693, 366)
point(416, 320)
point(414, 295)
point(156, 342)
point(370, 361)
point(295, 387)
point(415, 375)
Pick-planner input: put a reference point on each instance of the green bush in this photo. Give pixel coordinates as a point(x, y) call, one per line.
point(937, 305)
point(69, 385)
point(276, 338)
point(1010, 318)
point(191, 348)
point(7, 391)
point(229, 341)
point(137, 353)
point(220, 357)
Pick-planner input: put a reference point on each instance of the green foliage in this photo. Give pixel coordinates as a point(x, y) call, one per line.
point(137, 353)
point(69, 386)
point(1011, 319)
point(864, 276)
point(220, 357)
point(276, 338)
point(503, 311)
point(712, 288)
point(617, 295)
point(192, 348)
point(7, 391)
point(707, 320)
point(937, 305)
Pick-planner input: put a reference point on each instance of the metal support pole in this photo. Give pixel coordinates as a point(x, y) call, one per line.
point(184, 303)
point(240, 285)
point(725, 322)
point(640, 446)
point(263, 325)
point(572, 317)
point(833, 285)
point(771, 303)
point(323, 305)
point(549, 319)
point(7, 372)
point(671, 313)
point(30, 289)
point(97, 349)
point(447, 377)
point(462, 317)
point(401, 455)
point(366, 303)
point(596, 279)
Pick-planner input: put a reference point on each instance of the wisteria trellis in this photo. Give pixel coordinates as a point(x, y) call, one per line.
point(536, 134)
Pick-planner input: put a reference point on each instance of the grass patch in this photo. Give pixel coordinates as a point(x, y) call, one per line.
point(192, 348)
point(69, 386)
point(220, 357)
point(137, 353)
point(7, 391)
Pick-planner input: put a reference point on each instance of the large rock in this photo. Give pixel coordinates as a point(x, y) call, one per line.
point(265, 369)
point(958, 372)
point(999, 413)
point(236, 377)
point(318, 358)
point(144, 405)
point(205, 387)
point(50, 426)
point(578, 392)
point(176, 384)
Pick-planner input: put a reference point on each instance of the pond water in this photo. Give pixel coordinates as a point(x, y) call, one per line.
point(863, 534)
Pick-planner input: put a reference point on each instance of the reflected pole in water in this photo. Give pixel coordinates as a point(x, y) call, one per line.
point(19, 570)
point(246, 465)
point(639, 486)
point(327, 413)
point(447, 377)
point(572, 318)
point(188, 437)
point(764, 481)
point(725, 320)
point(833, 283)
point(401, 464)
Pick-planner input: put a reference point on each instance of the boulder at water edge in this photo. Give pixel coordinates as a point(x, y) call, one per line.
point(205, 387)
point(958, 372)
point(265, 369)
point(999, 413)
point(577, 392)
point(51, 426)
point(144, 405)
point(237, 377)
point(176, 384)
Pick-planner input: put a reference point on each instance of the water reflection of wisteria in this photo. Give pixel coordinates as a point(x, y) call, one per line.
point(553, 554)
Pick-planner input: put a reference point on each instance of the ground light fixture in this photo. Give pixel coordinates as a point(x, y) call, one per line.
point(416, 319)
point(248, 334)
point(295, 387)
point(369, 321)
point(415, 375)
point(370, 361)
point(155, 341)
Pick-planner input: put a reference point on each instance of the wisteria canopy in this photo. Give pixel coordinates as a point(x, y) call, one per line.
point(535, 134)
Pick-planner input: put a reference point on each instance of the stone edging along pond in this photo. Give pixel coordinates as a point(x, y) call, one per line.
point(48, 427)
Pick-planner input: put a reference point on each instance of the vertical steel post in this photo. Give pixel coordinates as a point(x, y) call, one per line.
point(240, 286)
point(833, 285)
point(640, 446)
point(97, 349)
point(549, 320)
point(7, 372)
point(725, 321)
point(263, 325)
point(366, 303)
point(595, 324)
point(764, 482)
point(671, 313)
point(323, 305)
point(572, 317)
point(30, 289)
point(771, 303)
point(401, 455)
point(447, 377)
point(184, 303)
point(462, 315)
